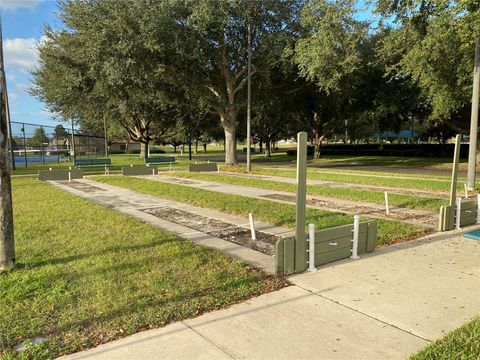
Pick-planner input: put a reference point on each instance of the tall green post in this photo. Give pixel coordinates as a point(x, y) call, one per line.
point(456, 160)
point(300, 241)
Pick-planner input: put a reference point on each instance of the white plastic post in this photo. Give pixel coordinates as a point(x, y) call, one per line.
point(466, 191)
point(478, 208)
point(153, 172)
point(50, 169)
point(131, 165)
point(170, 166)
point(458, 213)
point(311, 248)
point(387, 208)
point(252, 226)
point(69, 176)
point(356, 232)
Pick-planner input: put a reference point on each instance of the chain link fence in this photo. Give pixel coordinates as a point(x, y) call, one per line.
point(39, 144)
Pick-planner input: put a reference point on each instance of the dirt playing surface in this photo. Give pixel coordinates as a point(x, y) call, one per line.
point(87, 188)
point(430, 220)
point(226, 231)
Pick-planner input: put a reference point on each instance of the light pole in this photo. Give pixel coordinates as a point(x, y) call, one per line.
point(249, 97)
point(472, 150)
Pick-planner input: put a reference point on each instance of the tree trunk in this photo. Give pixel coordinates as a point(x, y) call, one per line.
point(195, 150)
point(268, 147)
point(144, 149)
point(7, 245)
point(174, 148)
point(205, 148)
point(260, 145)
point(228, 123)
point(318, 144)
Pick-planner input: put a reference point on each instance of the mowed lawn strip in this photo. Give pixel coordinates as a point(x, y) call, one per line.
point(406, 201)
point(351, 178)
point(264, 210)
point(87, 275)
point(460, 344)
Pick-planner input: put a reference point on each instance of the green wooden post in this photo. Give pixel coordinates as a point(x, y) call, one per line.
point(300, 243)
point(456, 159)
point(449, 215)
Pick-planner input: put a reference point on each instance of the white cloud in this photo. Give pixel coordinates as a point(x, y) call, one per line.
point(16, 4)
point(20, 54)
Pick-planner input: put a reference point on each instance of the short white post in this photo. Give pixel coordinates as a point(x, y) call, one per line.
point(252, 226)
point(458, 213)
point(170, 166)
point(69, 176)
point(478, 208)
point(208, 161)
point(356, 232)
point(311, 248)
point(196, 162)
point(131, 165)
point(153, 172)
point(387, 208)
point(50, 169)
point(466, 191)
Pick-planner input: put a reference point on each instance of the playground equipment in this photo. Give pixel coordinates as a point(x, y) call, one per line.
point(326, 245)
point(460, 211)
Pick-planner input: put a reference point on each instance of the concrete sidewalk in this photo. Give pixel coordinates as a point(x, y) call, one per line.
point(387, 305)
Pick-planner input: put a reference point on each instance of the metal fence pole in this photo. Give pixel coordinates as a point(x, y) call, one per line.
point(24, 145)
point(42, 155)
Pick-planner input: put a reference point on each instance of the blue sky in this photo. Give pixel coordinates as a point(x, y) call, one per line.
point(23, 22)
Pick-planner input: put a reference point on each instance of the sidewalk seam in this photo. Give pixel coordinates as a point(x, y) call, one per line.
point(365, 314)
point(210, 341)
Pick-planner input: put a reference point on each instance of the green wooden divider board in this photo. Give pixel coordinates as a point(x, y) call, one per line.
point(468, 215)
point(202, 167)
point(137, 170)
point(45, 175)
point(325, 253)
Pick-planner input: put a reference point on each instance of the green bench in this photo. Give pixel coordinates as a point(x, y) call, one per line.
point(92, 163)
point(159, 160)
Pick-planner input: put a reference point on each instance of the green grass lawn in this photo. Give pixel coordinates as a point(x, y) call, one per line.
point(360, 160)
point(460, 344)
point(407, 201)
point(87, 275)
point(274, 213)
point(352, 178)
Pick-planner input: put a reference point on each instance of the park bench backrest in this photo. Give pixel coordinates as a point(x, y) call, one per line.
point(159, 159)
point(87, 162)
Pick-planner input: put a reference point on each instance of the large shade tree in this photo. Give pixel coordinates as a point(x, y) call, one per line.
point(215, 50)
point(327, 55)
point(105, 65)
point(437, 43)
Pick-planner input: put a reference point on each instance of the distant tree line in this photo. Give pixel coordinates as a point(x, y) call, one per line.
point(175, 71)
